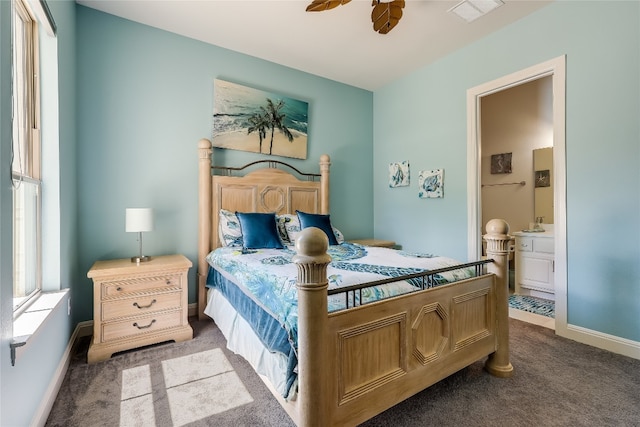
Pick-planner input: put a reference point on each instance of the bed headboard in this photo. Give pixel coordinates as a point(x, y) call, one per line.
point(251, 188)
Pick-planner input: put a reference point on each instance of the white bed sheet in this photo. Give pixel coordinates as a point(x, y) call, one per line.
point(242, 340)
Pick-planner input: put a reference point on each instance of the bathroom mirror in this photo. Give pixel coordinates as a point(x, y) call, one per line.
point(543, 184)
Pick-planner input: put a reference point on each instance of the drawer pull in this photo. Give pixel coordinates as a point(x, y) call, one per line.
point(118, 288)
point(144, 327)
point(135, 304)
point(168, 282)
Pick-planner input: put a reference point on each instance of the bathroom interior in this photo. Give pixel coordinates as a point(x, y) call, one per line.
point(517, 178)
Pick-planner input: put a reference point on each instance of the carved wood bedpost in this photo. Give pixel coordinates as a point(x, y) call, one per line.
point(204, 219)
point(325, 163)
point(498, 241)
point(312, 260)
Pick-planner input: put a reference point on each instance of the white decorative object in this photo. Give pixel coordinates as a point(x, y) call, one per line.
point(399, 174)
point(139, 220)
point(431, 184)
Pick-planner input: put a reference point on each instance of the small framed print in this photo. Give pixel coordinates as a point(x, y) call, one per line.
point(543, 178)
point(399, 174)
point(501, 163)
point(431, 184)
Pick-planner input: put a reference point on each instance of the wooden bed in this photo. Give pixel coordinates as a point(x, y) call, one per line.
point(354, 364)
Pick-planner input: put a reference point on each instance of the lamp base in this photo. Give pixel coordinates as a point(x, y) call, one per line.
point(139, 259)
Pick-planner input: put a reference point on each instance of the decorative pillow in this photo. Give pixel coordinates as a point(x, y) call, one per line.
point(282, 230)
point(323, 222)
point(229, 232)
point(259, 231)
point(338, 234)
point(291, 225)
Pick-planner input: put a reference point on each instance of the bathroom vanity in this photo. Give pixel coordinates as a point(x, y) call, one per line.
point(535, 262)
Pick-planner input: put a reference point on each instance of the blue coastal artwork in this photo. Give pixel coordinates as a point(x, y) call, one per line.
point(399, 174)
point(253, 120)
point(431, 184)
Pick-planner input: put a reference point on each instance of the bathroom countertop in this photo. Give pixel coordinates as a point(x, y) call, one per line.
point(546, 233)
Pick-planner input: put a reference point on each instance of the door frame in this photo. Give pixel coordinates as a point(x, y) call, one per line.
point(556, 68)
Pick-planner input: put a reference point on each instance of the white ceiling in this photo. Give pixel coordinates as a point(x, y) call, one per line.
point(338, 44)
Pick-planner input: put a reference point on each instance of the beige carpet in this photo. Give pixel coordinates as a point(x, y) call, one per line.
point(557, 382)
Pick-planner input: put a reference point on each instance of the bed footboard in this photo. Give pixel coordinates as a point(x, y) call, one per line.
point(356, 363)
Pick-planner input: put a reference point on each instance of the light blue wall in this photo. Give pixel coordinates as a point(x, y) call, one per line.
point(23, 386)
point(425, 122)
point(145, 98)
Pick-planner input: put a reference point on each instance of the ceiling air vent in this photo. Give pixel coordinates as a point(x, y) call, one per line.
point(470, 10)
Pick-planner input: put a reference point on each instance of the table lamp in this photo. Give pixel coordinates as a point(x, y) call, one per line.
point(139, 220)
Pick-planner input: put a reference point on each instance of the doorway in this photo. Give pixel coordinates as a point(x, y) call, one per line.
point(555, 69)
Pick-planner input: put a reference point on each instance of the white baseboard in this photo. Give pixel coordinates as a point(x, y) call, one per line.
point(41, 415)
point(601, 340)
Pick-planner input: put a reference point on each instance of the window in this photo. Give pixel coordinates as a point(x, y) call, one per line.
point(26, 170)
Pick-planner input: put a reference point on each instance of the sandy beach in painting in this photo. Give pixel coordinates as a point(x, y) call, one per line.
point(239, 140)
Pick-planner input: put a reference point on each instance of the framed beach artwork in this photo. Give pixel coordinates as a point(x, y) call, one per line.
point(431, 184)
point(253, 120)
point(399, 174)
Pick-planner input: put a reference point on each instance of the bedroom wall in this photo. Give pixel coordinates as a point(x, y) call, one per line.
point(25, 387)
point(426, 122)
point(145, 98)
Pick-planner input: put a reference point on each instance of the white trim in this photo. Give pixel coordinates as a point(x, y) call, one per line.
point(604, 341)
point(37, 9)
point(556, 68)
point(41, 415)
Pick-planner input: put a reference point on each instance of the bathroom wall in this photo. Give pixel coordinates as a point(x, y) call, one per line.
point(517, 120)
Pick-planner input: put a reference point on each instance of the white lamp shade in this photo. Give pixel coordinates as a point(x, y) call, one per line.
point(139, 219)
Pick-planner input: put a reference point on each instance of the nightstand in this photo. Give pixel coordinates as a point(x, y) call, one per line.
point(375, 242)
point(137, 304)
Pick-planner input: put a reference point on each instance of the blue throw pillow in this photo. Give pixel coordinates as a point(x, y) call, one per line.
point(259, 231)
point(323, 222)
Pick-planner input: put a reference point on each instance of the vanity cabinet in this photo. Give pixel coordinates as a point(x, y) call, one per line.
point(535, 264)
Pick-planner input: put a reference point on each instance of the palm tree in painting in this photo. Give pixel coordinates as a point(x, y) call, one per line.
point(259, 123)
point(276, 120)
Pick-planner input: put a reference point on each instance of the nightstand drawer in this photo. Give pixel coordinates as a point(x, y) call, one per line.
point(141, 284)
point(140, 305)
point(141, 325)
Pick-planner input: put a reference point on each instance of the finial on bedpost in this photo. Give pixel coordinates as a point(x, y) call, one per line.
point(325, 163)
point(312, 260)
point(498, 242)
point(204, 218)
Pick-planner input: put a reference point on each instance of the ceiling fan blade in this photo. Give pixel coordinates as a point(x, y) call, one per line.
point(385, 16)
point(320, 5)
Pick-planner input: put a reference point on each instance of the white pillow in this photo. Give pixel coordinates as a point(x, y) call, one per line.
point(229, 231)
point(282, 231)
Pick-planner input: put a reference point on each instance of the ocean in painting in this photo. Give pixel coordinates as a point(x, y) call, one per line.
point(233, 106)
